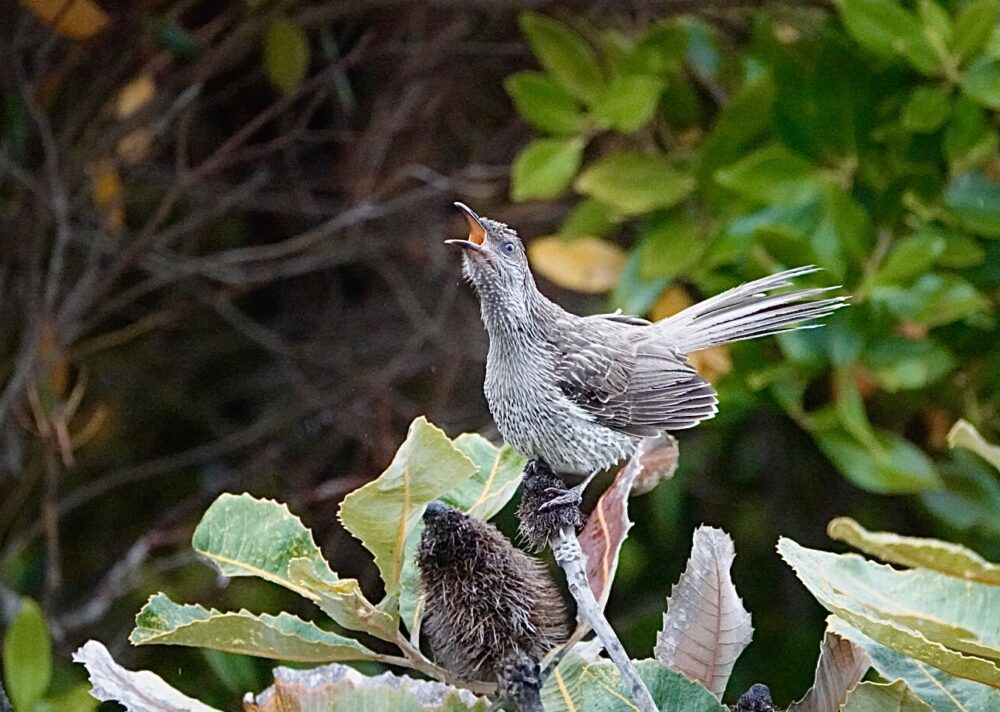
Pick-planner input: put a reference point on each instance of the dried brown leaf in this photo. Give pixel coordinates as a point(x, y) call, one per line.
point(841, 666)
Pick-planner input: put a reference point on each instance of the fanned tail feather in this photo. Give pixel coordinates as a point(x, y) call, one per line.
point(749, 311)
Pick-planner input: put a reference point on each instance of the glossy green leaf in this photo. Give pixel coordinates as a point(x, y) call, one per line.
point(961, 250)
point(635, 294)
point(773, 175)
point(564, 55)
point(670, 246)
point(243, 536)
point(974, 23)
point(969, 139)
point(628, 103)
point(27, 657)
point(981, 82)
point(895, 467)
point(280, 637)
point(916, 552)
point(544, 104)
point(910, 257)
point(886, 28)
point(545, 167)
point(661, 50)
point(936, 619)
point(635, 183)
point(884, 697)
point(927, 109)
point(286, 55)
point(943, 691)
point(936, 22)
point(934, 299)
point(385, 512)
point(588, 218)
point(904, 364)
point(975, 201)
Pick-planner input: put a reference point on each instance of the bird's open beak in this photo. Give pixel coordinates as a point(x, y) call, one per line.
point(477, 233)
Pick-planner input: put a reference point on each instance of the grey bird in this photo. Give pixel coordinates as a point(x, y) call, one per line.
point(580, 392)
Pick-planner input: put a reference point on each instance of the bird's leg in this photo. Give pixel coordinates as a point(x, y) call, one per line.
point(563, 497)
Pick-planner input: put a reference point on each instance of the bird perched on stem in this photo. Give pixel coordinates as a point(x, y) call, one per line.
point(580, 392)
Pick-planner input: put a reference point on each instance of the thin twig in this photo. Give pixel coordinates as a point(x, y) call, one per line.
point(573, 562)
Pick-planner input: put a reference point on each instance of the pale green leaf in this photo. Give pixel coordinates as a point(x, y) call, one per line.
point(544, 104)
point(884, 697)
point(280, 637)
point(916, 552)
point(911, 257)
point(937, 619)
point(27, 657)
point(944, 692)
point(286, 55)
point(244, 536)
point(634, 183)
point(385, 512)
point(564, 55)
point(545, 167)
point(964, 434)
point(629, 102)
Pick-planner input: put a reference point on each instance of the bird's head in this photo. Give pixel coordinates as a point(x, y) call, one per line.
point(495, 262)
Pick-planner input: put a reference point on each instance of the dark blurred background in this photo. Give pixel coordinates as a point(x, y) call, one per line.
point(222, 269)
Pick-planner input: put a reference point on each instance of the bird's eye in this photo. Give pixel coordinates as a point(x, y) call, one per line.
point(508, 247)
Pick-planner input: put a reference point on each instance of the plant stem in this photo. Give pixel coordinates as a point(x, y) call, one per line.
point(572, 561)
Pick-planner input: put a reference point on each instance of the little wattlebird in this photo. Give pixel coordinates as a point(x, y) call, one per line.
point(580, 392)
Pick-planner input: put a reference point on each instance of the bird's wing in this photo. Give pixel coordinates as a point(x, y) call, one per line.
point(628, 380)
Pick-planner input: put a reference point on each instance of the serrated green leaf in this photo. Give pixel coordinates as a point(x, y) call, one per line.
point(564, 55)
point(773, 175)
point(544, 104)
point(933, 618)
point(244, 536)
point(497, 476)
point(927, 109)
point(545, 167)
point(634, 183)
point(27, 657)
point(944, 692)
point(974, 24)
point(975, 201)
point(384, 513)
point(628, 103)
point(981, 82)
point(884, 697)
point(916, 552)
point(895, 467)
point(280, 637)
point(286, 55)
point(886, 28)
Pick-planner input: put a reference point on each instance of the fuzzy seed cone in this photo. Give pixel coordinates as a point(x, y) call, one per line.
point(487, 602)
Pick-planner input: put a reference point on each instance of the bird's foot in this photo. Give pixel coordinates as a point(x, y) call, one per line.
point(560, 497)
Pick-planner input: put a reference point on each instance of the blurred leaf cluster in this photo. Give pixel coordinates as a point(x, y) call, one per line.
point(863, 142)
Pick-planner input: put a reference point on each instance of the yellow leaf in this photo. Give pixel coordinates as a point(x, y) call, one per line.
point(135, 95)
point(673, 299)
point(134, 146)
point(583, 264)
point(76, 19)
point(106, 192)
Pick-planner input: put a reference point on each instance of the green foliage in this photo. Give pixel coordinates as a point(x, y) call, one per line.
point(286, 55)
point(862, 142)
point(27, 667)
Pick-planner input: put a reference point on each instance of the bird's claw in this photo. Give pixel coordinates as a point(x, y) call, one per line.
point(561, 498)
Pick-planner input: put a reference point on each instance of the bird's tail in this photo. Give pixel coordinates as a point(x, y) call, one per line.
point(749, 311)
